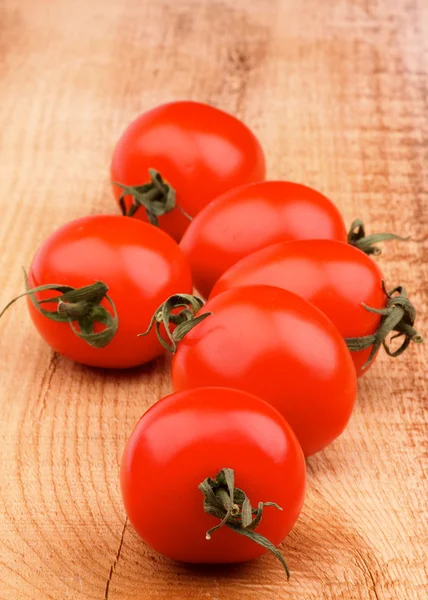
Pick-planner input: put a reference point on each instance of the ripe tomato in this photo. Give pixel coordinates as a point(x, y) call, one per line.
point(189, 436)
point(140, 265)
point(272, 343)
point(337, 278)
point(252, 217)
point(197, 149)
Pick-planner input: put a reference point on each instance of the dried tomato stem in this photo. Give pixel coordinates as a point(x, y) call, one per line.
point(157, 197)
point(80, 305)
point(398, 316)
point(184, 320)
point(357, 237)
point(232, 506)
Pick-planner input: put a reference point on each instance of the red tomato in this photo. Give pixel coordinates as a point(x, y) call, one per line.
point(140, 264)
point(252, 217)
point(337, 278)
point(199, 150)
point(187, 437)
point(272, 343)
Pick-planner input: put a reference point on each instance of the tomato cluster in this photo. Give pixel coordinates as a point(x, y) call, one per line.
point(264, 372)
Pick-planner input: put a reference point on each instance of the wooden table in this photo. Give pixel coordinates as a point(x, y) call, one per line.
point(337, 93)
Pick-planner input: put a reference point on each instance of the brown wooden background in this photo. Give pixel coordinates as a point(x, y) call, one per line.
point(337, 92)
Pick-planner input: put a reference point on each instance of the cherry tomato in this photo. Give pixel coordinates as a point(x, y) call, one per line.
point(189, 436)
point(337, 278)
point(140, 265)
point(272, 343)
point(199, 150)
point(252, 217)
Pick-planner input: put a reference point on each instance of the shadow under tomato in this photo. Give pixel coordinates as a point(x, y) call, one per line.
point(157, 366)
point(219, 570)
point(154, 367)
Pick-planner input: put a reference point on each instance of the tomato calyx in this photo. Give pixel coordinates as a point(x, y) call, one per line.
point(366, 243)
point(398, 316)
point(183, 321)
point(231, 505)
point(157, 197)
point(81, 305)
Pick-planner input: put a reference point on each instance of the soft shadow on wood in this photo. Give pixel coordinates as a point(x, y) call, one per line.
point(152, 368)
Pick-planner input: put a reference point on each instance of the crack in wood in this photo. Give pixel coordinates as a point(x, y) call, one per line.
point(369, 571)
point(47, 379)
point(115, 561)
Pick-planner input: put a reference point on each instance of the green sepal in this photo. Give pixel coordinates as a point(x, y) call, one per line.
point(232, 506)
point(398, 316)
point(80, 305)
point(184, 321)
point(366, 243)
point(157, 197)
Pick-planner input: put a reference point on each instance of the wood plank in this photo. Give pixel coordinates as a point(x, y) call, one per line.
point(337, 93)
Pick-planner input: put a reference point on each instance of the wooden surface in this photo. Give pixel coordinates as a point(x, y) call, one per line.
point(337, 93)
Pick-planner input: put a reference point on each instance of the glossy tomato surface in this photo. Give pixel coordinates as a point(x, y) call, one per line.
point(189, 436)
point(272, 343)
point(337, 278)
point(140, 264)
point(252, 217)
point(200, 150)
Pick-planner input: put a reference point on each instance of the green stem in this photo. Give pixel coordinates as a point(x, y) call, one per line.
point(398, 316)
point(157, 197)
point(80, 305)
point(232, 506)
point(366, 243)
point(184, 321)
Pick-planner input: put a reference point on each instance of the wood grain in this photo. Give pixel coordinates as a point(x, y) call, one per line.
point(337, 93)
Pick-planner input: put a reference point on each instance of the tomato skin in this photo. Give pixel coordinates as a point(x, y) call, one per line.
point(272, 343)
point(141, 266)
point(252, 217)
point(198, 149)
point(336, 278)
point(191, 435)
